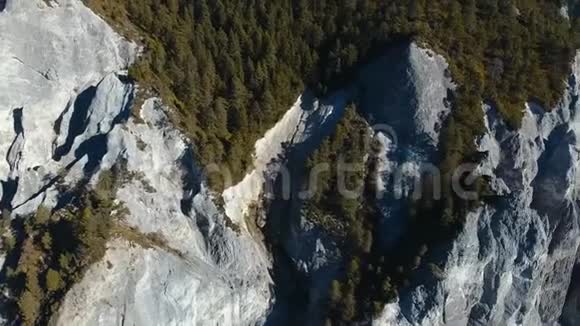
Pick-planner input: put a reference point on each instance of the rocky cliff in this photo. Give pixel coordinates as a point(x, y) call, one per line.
point(512, 264)
point(68, 112)
point(66, 117)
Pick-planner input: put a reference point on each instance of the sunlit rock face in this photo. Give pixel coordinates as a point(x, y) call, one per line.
point(513, 262)
point(65, 116)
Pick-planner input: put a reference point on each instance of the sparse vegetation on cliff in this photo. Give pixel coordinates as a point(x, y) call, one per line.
point(49, 251)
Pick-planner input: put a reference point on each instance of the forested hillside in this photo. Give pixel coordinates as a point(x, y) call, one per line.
point(231, 68)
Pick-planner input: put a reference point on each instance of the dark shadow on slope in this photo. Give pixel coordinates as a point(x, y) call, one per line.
point(2, 5)
point(571, 312)
point(291, 292)
point(190, 180)
point(96, 147)
point(291, 286)
point(553, 164)
point(385, 93)
point(78, 121)
point(572, 85)
point(9, 188)
point(125, 113)
point(58, 123)
point(573, 9)
point(17, 115)
point(19, 131)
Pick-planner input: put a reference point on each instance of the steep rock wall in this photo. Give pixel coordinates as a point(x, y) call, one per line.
point(513, 261)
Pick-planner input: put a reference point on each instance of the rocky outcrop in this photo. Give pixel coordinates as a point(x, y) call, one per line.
point(219, 275)
point(66, 109)
point(405, 98)
point(53, 61)
point(514, 258)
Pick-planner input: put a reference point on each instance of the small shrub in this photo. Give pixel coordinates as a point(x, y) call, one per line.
point(53, 280)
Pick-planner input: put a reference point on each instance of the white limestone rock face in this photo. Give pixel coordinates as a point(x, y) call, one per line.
point(513, 262)
point(136, 286)
point(49, 59)
point(222, 276)
point(65, 116)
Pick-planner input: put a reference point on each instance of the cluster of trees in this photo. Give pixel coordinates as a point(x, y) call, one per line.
point(48, 252)
point(364, 284)
point(371, 275)
point(231, 68)
point(348, 144)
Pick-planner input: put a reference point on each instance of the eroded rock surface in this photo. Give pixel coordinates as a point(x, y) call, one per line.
point(513, 262)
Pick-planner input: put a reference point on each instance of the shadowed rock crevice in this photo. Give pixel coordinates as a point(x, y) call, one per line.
point(571, 311)
point(190, 179)
point(125, 112)
point(58, 123)
point(14, 152)
point(13, 156)
point(9, 189)
point(17, 114)
point(78, 121)
point(94, 147)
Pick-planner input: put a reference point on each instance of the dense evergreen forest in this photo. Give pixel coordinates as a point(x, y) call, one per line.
point(231, 68)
